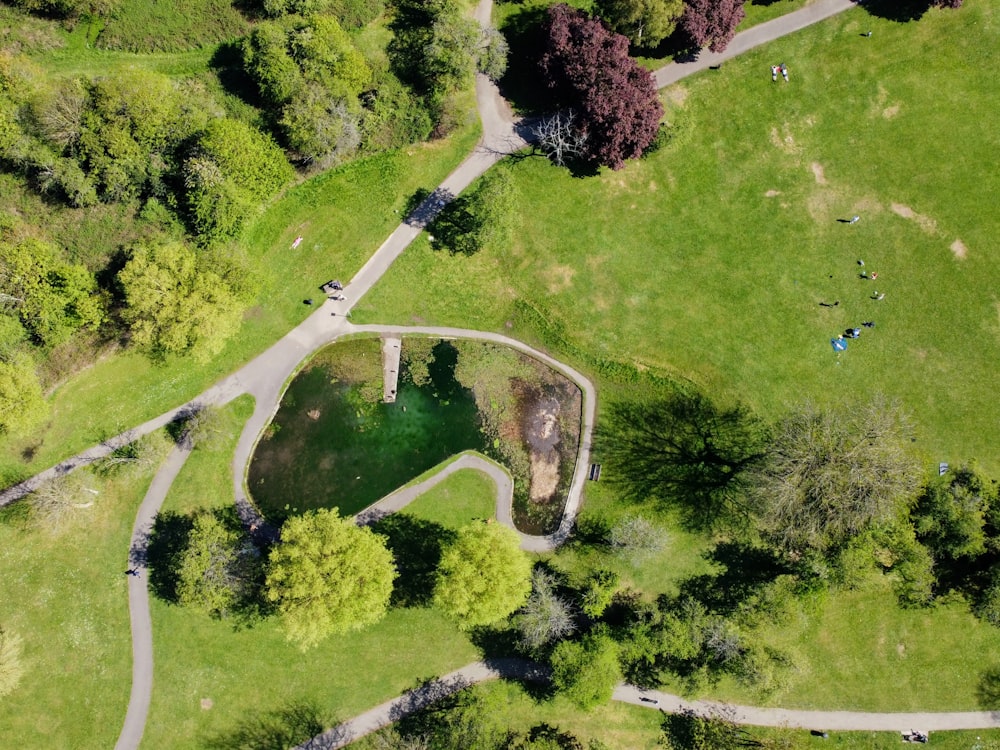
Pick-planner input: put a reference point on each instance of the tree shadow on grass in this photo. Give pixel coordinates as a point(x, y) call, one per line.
point(227, 63)
point(901, 11)
point(291, 725)
point(745, 570)
point(416, 546)
point(988, 690)
point(162, 552)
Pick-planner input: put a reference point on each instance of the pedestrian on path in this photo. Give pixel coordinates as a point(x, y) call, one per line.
point(132, 572)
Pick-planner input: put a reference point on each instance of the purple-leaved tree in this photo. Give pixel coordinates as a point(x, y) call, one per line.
point(712, 23)
point(588, 70)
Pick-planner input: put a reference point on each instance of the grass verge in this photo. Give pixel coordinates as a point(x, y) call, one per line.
point(65, 594)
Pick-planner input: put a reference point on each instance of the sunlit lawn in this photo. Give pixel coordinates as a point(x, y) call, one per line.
point(708, 260)
point(65, 594)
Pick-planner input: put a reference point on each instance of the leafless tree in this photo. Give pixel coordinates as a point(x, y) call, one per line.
point(55, 501)
point(637, 538)
point(558, 137)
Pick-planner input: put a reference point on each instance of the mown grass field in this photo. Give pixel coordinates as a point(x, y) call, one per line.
point(64, 593)
point(708, 260)
point(457, 500)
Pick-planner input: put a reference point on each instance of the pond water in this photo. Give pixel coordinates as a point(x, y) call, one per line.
point(331, 444)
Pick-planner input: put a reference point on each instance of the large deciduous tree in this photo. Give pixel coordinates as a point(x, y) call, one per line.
point(951, 512)
point(233, 169)
point(175, 305)
point(712, 23)
point(830, 474)
point(220, 567)
point(328, 576)
point(53, 298)
point(646, 23)
point(714, 729)
point(546, 616)
point(483, 576)
point(586, 671)
point(588, 70)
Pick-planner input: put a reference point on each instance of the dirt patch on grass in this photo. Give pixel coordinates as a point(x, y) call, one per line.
point(772, 193)
point(924, 222)
point(784, 140)
point(676, 95)
point(890, 112)
point(817, 170)
point(559, 278)
point(959, 250)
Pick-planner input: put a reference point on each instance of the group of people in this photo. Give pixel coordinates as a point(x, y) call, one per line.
point(783, 69)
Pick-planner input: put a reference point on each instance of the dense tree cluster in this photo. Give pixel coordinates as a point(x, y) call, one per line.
point(437, 49)
point(309, 70)
point(588, 70)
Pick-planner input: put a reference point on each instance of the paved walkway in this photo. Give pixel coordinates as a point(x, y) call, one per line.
point(138, 600)
point(753, 37)
point(522, 669)
point(266, 376)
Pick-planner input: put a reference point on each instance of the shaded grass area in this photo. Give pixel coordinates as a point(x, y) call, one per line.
point(735, 229)
point(344, 215)
point(65, 594)
point(221, 687)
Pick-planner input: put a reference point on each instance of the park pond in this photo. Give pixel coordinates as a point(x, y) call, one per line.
point(334, 443)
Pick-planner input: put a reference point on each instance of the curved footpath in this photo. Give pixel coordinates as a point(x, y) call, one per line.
point(524, 670)
point(265, 378)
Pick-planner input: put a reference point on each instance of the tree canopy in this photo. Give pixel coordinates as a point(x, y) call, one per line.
point(588, 70)
point(219, 567)
point(176, 305)
point(830, 474)
point(483, 576)
point(712, 23)
point(21, 402)
point(586, 671)
point(328, 576)
point(53, 298)
point(645, 23)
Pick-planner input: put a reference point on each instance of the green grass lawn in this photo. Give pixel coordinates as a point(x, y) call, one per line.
point(65, 594)
point(735, 231)
point(465, 495)
point(344, 216)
